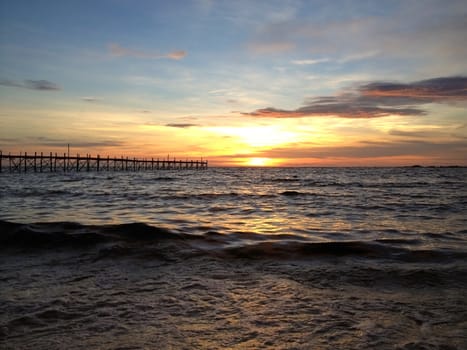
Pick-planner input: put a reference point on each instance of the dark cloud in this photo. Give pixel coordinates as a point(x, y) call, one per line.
point(343, 109)
point(8, 140)
point(403, 133)
point(91, 99)
point(82, 144)
point(444, 89)
point(104, 143)
point(181, 125)
point(377, 99)
point(10, 83)
point(404, 148)
point(43, 85)
point(58, 142)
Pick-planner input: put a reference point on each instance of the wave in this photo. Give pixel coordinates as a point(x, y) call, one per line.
point(164, 178)
point(215, 196)
point(139, 238)
point(36, 192)
point(364, 184)
point(291, 193)
point(73, 234)
point(360, 249)
point(282, 180)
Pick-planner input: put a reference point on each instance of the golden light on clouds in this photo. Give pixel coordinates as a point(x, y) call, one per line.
point(259, 136)
point(264, 95)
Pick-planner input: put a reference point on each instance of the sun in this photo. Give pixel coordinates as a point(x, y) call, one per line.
point(259, 161)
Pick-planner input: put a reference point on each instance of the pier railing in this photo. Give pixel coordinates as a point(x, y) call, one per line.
point(39, 163)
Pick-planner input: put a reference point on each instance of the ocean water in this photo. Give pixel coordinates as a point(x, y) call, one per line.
point(236, 258)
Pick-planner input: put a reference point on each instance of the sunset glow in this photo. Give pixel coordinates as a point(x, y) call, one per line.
point(259, 161)
point(259, 136)
point(263, 83)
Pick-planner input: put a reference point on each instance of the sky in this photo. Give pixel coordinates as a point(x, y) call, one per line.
point(240, 83)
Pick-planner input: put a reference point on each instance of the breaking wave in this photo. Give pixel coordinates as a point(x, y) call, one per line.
point(135, 238)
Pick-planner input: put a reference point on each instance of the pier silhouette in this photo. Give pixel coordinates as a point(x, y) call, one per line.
point(39, 163)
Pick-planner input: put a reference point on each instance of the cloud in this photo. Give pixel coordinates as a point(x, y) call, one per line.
point(51, 142)
point(10, 83)
point(61, 143)
point(91, 99)
point(43, 85)
point(444, 89)
point(413, 134)
point(271, 47)
point(427, 35)
point(104, 143)
point(358, 56)
point(341, 109)
point(180, 125)
point(377, 99)
point(119, 51)
point(310, 61)
point(402, 148)
point(176, 55)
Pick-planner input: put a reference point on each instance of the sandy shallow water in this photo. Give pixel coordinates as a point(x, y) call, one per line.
point(178, 297)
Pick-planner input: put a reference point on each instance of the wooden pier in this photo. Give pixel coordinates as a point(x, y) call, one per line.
point(40, 163)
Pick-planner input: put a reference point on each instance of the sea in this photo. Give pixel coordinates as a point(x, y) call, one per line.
point(235, 258)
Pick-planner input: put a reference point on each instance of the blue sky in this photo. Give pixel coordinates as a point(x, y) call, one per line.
point(195, 78)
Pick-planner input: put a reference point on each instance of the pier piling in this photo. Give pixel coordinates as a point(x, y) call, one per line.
point(39, 163)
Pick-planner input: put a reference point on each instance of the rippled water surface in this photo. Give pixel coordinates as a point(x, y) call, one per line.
point(311, 202)
point(297, 258)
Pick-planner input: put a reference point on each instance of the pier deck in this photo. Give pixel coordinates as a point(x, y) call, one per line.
point(39, 163)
